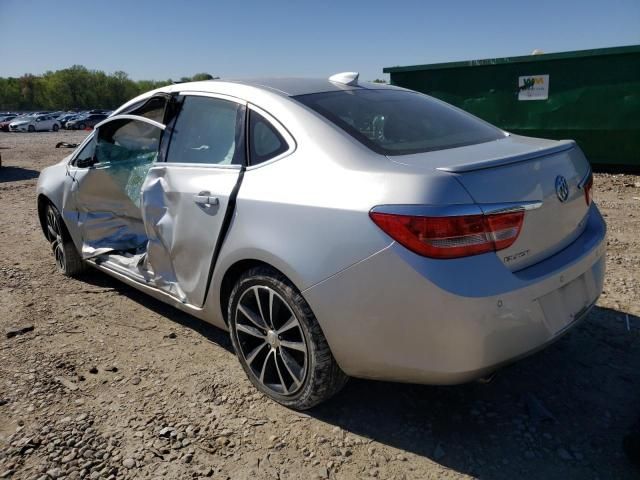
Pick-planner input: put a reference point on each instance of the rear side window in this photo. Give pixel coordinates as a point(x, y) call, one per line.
point(208, 131)
point(395, 122)
point(265, 141)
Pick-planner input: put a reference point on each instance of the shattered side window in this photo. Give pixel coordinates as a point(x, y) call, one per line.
point(128, 149)
point(152, 109)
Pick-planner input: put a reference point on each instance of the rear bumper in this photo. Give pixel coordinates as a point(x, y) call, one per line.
point(401, 317)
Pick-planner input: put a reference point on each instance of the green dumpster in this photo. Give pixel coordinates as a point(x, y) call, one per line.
point(591, 96)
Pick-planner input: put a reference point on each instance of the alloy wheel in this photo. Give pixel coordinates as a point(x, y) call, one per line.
point(55, 237)
point(271, 340)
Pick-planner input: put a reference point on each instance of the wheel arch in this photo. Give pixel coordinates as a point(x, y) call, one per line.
point(43, 202)
point(231, 276)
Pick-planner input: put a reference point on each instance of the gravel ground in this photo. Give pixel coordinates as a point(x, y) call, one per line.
point(113, 384)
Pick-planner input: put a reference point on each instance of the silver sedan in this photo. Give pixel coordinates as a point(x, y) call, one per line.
point(335, 228)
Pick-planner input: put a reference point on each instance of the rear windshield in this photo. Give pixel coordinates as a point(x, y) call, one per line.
point(394, 122)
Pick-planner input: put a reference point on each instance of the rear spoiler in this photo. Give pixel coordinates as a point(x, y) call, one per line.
point(561, 146)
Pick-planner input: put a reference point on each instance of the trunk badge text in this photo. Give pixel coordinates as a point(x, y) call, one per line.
point(562, 188)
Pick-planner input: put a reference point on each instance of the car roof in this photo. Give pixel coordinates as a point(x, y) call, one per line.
point(288, 86)
point(280, 86)
point(292, 86)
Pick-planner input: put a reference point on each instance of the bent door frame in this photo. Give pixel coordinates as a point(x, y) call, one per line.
point(72, 207)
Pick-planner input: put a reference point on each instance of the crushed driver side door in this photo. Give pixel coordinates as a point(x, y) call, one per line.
point(107, 181)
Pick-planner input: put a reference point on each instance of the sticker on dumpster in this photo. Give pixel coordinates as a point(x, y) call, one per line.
point(533, 87)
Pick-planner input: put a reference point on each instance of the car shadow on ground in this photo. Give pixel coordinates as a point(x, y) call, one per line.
point(560, 413)
point(16, 174)
point(211, 333)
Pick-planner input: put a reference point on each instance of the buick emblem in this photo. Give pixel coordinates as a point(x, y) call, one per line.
point(562, 188)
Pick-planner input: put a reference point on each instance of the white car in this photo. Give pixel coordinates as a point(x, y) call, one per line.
point(33, 124)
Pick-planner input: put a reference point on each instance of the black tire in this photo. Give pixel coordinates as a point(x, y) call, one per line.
point(82, 126)
point(55, 127)
point(322, 375)
point(66, 255)
point(31, 128)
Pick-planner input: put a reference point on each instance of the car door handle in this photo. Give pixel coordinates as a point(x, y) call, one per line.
point(205, 199)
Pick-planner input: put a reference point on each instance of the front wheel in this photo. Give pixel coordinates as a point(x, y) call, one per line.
point(55, 127)
point(31, 128)
point(82, 126)
point(64, 251)
point(279, 342)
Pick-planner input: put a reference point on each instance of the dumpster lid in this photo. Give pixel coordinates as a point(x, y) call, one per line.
point(519, 59)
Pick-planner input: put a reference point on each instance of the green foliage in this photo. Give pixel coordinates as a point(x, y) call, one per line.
point(203, 76)
point(76, 88)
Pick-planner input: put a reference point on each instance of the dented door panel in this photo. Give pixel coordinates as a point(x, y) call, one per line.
point(181, 228)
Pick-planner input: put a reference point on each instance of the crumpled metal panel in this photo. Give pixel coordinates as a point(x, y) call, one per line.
point(159, 217)
point(108, 219)
point(183, 233)
point(108, 200)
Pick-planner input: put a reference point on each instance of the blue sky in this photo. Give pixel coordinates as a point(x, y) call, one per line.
point(160, 39)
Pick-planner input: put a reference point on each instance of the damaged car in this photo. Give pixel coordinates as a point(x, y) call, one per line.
point(334, 228)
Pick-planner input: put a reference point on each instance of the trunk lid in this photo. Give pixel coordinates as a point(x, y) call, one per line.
point(522, 171)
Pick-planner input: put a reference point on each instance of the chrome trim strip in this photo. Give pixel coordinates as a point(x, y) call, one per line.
point(127, 116)
point(493, 208)
point(221, 96)
point(457, 210)
point(498, 162)
point(585, 179)
point(229, 166)
point(429, 210)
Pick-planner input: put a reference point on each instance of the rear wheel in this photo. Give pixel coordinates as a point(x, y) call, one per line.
point(279, 342)
point(82, 126)
point(55, 127)
point(64, 251)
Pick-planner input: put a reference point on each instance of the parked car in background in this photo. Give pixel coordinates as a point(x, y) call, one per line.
point(35, 123)
point(87, 121)
point(63, 119)
point(5, 121)
point(335, 229)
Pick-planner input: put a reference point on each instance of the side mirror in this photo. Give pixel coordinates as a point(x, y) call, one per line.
point(86, 162)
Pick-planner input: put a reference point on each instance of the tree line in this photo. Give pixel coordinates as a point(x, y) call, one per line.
point(76, 88)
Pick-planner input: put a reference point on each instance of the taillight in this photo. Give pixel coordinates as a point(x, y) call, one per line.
point(452, 237)
point(588, 190)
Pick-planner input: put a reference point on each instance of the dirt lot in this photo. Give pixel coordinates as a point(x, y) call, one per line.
point(113, 384)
